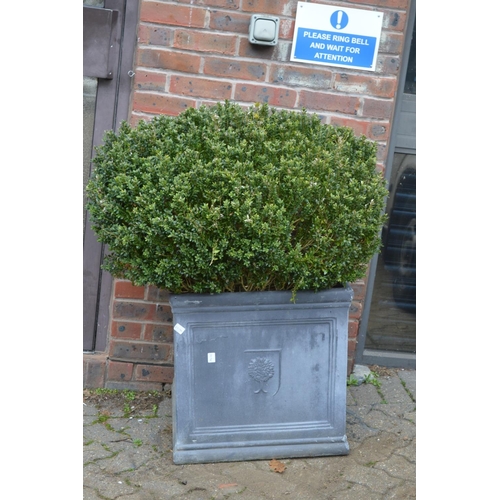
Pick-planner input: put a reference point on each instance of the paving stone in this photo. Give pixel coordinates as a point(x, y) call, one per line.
point(89, 411)
point(409, 377)
point(365, 394)
point(393, 390)
point(373, 479)
point(397, 466)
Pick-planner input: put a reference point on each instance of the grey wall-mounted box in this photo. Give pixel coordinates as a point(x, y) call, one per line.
point(264, 30)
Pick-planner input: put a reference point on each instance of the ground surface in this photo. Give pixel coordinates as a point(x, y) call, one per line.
point(127, 452)
point(135, 402)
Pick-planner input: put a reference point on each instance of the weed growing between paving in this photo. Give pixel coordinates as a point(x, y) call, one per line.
point(372, 378)
point(133, 403)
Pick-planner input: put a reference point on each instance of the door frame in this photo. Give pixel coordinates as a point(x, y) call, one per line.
point(112, 107)
point(387, 358)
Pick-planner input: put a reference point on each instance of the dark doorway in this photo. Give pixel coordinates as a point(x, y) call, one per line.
point(388, 327)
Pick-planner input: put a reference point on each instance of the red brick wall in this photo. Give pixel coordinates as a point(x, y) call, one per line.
point(191, 53)
point(140, 338)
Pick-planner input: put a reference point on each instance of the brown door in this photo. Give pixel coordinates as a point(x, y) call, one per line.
point(109, 38)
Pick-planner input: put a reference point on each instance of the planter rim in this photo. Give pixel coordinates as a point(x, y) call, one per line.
point(338, 296)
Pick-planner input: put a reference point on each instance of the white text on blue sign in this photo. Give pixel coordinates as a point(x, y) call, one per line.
point(318, 45)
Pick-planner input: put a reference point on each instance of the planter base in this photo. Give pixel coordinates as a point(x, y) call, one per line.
point(258, 376)
point(232, 453)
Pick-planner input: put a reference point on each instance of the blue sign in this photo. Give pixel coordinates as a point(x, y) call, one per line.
point(327, 46)
point(335, 36)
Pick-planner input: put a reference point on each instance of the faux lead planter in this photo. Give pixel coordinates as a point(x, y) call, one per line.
point(224, 199)
point(258, 376)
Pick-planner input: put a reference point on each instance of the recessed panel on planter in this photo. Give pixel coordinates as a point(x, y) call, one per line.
point(260, 377)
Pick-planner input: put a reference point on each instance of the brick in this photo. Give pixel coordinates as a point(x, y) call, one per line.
point(155, 35)
point(133, 310)
point(359, 289)
point(140, 351)
point(159, 333)
point(283, 7)
point(161, 104)
point(154, 373)
point(163, 313)
point(286, 29)
point(353, 329)
point(359, 127)
point(120, 371)
point(329, 102)
point(94, 371)
point(379, 131)
point(229, 21)
point(135, 118)
point(377, 108)
point(381, 153)
point(200, 87)
point(155, 294)
point(351, 348)
point(365, 84)
point(208, 103)
point(205, 42)
point(394, 4)
point(125, 289)
point(234, 68)
point(395, 21)
point(355, 310)
point(391, 43)
point(280, 52)
point(387, 65)
point(168, 59)
point(148, 80)
point(274, 96)
point(303, 77)
point(126, 330)
point(372, 130)
point(223, 4)
point(177, 15)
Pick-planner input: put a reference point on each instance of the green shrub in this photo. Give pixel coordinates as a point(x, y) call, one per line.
point(226, 199)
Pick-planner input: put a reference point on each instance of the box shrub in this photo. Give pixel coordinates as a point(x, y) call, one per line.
point(225, 198)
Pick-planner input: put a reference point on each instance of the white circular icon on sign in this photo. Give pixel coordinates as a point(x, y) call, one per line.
point(339, 19)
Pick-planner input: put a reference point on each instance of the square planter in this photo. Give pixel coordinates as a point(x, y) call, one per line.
point(258, 376)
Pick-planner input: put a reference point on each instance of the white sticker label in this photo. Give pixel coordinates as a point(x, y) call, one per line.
point(211, 357)
point(179, 329)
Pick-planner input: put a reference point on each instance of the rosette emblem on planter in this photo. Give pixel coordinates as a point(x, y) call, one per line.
point(264, 370)
point(261, 370)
